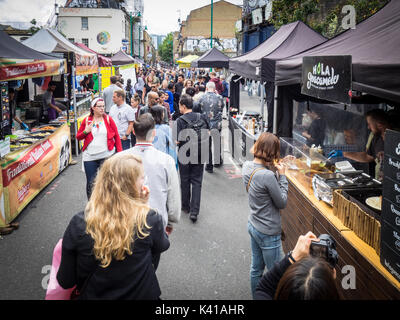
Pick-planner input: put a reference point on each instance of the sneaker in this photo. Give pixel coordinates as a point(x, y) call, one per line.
point(193, 217)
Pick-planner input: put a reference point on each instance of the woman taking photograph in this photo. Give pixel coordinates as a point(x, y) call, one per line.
point(107, 250)
point(101, 141)
point(266, 184)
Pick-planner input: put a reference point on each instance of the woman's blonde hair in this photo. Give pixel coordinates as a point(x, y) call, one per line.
point(116, 213)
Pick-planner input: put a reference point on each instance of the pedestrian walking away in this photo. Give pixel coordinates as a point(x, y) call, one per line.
point(101, 141)
point(211, 105)
point(123, 115)
point(267, 189)
point(117, 214)
point(191, 168)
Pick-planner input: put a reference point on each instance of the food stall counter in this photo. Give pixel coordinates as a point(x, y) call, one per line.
point(28, 170)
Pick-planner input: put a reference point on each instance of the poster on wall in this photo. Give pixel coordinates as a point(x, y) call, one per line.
point(327, 78)
point(26, 173)
point(106, 73)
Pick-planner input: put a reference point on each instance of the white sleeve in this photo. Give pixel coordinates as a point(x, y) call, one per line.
point(174, 192)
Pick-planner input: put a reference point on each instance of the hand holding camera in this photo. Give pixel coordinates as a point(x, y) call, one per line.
point(302, 248)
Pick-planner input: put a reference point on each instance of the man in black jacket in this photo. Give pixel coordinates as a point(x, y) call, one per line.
point(191, 167)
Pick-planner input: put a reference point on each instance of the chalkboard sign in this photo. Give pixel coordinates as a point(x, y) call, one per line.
point(327, 78)
point(390, 228)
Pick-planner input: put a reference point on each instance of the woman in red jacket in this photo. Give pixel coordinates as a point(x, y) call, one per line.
point(101, 141)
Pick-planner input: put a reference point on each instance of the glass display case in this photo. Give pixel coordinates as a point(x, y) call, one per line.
point(305, 162)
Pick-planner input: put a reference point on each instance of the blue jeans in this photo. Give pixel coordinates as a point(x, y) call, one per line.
point(126, 144)
point(265, 251)
point(91, 168)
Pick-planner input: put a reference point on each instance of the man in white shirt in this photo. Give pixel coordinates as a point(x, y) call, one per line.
point(123, 116)
point(160, 171)
point(108, 93)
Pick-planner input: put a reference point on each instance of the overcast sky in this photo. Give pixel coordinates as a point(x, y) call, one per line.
point(160, 16)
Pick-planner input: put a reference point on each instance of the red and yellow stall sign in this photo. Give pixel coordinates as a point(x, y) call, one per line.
point(26, 173)
point(31, 69)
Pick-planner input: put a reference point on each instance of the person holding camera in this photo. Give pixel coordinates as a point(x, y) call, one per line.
point(267, 186)
point(305, 273)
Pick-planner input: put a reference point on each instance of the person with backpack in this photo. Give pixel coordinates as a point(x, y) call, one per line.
point(192, 138)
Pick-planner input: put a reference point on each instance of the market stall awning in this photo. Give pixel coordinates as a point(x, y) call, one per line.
point(103, 61)
point(50, 40)
point(18, 61)
point(186, 62)
point(121, 58)
point(213, 58)
point(290, 39)
point(375, 49)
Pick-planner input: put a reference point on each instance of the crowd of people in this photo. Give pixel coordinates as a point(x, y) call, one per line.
point(145, 151)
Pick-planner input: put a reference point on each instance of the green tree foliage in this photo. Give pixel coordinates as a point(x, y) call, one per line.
point(34, 28)
point(308, 11)
point(165, 51)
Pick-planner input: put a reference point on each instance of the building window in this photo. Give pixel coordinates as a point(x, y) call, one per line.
point(71, 39)
point(84, 23)
point(85, 42)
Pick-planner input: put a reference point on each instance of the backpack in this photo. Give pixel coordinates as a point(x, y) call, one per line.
point(197, 125)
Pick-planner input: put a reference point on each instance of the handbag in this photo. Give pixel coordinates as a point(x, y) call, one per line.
point(54, 290)
point(283, 235)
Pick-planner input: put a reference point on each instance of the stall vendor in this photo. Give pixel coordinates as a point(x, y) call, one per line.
point(378, 122)
point(13, 110)
point(51, 108)
point(315, 134)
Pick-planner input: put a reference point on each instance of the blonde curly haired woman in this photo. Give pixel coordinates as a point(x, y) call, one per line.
point(107, 250)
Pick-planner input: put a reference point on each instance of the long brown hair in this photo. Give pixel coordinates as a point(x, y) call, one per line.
point(308, 279)
point(267, 149)
point(116, 214)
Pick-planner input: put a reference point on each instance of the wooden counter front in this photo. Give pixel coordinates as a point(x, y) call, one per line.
point(305, 213)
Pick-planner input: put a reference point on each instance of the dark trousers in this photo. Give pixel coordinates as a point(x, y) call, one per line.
point(126, 144)
point(210, 163)
point(91, 168)
point(133, 140)
point(191, 180)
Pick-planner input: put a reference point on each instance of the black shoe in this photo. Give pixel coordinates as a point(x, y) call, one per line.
point(209, 169)
point(218, 165)
point(6, 231)
point(193, 217)
point(185, 211)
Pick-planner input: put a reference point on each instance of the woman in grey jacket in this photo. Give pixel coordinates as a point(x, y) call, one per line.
point(266, 184)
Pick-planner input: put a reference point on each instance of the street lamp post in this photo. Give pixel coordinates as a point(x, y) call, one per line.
point(212, 18)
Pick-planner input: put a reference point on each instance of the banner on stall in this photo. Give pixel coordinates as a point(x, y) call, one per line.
point(327, 78)
point(18, 70)
point(26, 173)
point(128, 72)
point(106, 74)
point(86, 64)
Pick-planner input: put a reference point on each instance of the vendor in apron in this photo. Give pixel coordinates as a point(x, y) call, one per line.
point(51, 108)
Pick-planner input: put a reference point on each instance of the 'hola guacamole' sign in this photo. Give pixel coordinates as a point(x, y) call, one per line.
point(327, 78)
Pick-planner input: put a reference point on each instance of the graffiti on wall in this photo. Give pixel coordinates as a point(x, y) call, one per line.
point(203, 44)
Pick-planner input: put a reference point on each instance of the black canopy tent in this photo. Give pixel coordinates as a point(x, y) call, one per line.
point(375, 49)
point(213, 58)
point(121, 58)
point(290, 39)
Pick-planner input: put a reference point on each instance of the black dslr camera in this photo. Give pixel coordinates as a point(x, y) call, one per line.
point(325, 248)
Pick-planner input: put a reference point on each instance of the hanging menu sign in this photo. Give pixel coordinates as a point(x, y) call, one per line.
point(390, 231)
point(327, 78)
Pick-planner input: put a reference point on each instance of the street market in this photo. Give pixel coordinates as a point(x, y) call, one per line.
point(187, 169)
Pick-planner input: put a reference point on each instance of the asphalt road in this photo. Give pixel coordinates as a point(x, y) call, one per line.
point(209, 260)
